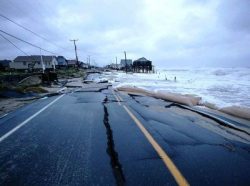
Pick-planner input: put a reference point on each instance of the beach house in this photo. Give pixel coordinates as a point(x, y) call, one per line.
point(34, 62)
point(142, 65)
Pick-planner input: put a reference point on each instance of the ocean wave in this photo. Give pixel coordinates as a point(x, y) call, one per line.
point(220, 72)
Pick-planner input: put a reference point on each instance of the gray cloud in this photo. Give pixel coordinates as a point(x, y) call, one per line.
point(234, 14)
point(171, 33)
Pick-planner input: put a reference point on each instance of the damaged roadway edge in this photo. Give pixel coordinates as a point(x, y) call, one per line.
point(114, 160)
point(94, 89)
point(210, 116)
point(213, 117)
point(25, 101)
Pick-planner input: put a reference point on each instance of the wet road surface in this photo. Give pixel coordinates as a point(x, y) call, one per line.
point(90, 138)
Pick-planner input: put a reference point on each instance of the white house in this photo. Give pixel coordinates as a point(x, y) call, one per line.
point(72, 63)
point(84, 65)
point(113, 66)
point(34, 62)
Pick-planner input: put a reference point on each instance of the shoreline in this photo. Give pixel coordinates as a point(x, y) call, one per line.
point(189, 100)
point(238, 112)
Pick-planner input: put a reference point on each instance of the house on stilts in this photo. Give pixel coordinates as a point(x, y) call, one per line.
point(142, 65)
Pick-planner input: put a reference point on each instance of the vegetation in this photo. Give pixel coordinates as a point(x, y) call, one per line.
point(3, 87)
point(10, 81)
point(23, 89)
point(70, 73)
point(35, 90)
point(3, 73)
point(29, 84)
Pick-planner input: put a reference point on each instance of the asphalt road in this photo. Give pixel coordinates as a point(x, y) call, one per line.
point(92, 137)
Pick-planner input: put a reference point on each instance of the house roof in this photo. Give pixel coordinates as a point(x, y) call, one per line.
point(33, 58)
point(61, 57)
point(142, 59)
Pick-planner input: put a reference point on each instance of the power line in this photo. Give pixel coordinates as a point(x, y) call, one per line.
point(28, 42)
point(13, 44)
point(41, 37)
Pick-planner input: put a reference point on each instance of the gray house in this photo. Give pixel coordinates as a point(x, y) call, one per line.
point(61, 62)
point(127, 62)
point(34, 62)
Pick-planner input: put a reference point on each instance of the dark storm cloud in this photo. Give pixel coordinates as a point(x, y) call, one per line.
point(235, 14)
point(181, 32)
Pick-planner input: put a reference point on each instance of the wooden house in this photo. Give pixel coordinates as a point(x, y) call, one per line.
point(142, 65)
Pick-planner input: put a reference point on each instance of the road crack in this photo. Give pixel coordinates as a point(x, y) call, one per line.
point(114, 159)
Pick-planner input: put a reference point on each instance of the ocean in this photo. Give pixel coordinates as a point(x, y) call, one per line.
point(222, 87)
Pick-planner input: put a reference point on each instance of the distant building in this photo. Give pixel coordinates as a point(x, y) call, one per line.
point(127, 62)
point(112, 66)
point(72, 63)
point(119, 66)
point(61, 62)
point(35, 62)
point(4, 64)
point(142, 65)
point(83, 65)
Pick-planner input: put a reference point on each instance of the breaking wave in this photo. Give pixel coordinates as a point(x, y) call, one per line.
point(217, 87)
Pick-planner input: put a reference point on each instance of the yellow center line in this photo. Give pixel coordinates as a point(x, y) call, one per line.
point(179, 178)
point(117, 99)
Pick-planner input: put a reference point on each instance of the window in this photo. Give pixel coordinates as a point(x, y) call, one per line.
point(24, 63)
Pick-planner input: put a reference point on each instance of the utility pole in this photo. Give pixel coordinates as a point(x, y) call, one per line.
point(126, 66)
point(89, 60)
point(116, 63)
point(43, 66)
point(77, 62)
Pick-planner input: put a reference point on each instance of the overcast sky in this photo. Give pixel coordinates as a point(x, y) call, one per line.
point(171, 33)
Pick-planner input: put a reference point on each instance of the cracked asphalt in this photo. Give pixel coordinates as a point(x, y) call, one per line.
point(86, 137)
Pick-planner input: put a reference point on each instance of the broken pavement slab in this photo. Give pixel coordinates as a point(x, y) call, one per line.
point(75, 83)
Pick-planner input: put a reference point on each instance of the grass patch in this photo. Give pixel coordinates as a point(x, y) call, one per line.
point(4, 73)
point(70, 73)
point(23, 89)
point(35, 90)
point(3, 87)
